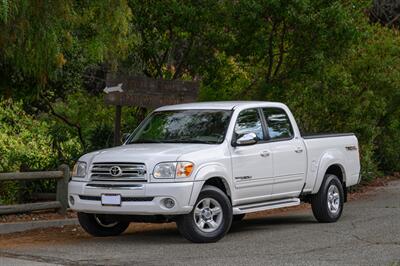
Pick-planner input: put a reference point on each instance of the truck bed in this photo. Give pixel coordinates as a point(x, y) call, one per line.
point(325, 135)
point(327, 149)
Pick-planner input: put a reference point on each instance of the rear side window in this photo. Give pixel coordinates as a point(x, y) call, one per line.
point(278, 124)
point(249, 121)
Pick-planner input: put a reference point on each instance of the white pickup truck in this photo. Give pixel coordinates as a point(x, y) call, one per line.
point(204, 165)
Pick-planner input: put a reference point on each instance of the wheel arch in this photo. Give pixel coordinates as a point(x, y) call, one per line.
point(214, 175)
point(220, 183)
point(337, 170)
point(331, 162)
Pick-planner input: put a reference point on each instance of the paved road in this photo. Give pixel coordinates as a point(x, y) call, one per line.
point(367, 234)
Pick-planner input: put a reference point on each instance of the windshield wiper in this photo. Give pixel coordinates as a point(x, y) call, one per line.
point(146, 141)
point(190, 141)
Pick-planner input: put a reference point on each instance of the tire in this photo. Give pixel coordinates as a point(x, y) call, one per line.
point(205, 224)
point(328, 210)
point(97, 225)
point(238, 217)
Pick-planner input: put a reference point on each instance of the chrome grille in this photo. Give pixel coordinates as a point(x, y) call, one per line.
point(127, 172)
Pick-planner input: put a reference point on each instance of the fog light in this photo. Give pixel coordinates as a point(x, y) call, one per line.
point(71, 200)
point(169, 203)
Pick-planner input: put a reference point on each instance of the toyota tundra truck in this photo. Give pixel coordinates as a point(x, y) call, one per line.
point(204, 165)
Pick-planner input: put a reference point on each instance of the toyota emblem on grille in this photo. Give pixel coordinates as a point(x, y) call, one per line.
point(115, 171)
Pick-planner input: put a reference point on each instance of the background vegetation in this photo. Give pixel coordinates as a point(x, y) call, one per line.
point(335, 63)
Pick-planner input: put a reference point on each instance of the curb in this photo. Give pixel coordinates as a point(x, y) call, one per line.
point(7, 228)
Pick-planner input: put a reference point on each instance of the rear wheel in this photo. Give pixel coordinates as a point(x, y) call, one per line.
point(101, 225)
point(209, 220)
point(327, 205)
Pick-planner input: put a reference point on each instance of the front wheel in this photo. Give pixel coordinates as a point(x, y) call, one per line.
point(327, 204)
point(210, 218)
point(101, 225)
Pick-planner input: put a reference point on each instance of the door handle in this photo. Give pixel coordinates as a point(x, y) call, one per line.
point(299, 150)
point(265, 153)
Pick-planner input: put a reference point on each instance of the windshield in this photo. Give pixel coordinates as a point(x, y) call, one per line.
point(183, 126)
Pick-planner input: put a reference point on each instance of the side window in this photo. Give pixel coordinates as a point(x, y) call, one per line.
point(278, 123)
point(249, 121)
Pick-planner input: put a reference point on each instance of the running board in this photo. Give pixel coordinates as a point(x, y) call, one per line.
point(267, 205)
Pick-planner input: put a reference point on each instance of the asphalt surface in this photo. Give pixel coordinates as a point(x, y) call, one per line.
point(367, 234)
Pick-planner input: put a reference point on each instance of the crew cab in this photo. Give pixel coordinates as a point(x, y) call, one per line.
point(204, 165)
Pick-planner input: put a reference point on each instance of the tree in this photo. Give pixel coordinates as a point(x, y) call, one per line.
point(176, 39)
point(37, 36)
point(272, 41)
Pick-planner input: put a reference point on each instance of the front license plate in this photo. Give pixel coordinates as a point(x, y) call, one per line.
point(111, 199)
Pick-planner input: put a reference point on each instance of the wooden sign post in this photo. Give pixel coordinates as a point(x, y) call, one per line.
point(147, 93)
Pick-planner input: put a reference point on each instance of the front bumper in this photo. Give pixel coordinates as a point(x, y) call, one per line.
point(141, 199)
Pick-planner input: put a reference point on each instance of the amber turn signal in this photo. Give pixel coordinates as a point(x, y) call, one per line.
point(184, 169)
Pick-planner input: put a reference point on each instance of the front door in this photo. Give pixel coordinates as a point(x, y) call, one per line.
point(252, 165)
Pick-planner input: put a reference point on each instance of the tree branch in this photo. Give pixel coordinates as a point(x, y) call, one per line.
point(179, 67)
point(281, 50)
point(271, 52)
point(66, 121)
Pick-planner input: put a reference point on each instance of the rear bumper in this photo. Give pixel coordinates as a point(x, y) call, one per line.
point(142, 199)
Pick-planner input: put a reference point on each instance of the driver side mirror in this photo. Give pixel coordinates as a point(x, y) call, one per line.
point(247, 139)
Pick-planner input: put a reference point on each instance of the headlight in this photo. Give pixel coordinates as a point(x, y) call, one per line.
point(79, 169)
point(165, 170)
point(173, 170)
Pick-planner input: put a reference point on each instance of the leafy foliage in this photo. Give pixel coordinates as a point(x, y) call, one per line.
point(25, 143)
point(23, 140)
point(36, 36)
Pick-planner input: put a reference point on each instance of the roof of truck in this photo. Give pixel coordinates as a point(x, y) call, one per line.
point(223, 105)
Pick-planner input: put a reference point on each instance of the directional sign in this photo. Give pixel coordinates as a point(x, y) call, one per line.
point(149, 93)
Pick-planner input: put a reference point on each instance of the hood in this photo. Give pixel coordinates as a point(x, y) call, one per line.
point(149, 153)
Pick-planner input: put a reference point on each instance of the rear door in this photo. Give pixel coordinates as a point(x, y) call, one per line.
point(251, 165)
point(288, 153)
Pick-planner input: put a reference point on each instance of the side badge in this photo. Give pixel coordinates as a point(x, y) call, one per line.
point(243, 177)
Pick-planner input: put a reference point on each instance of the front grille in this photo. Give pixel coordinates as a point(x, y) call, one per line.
point(98, 198)
point(116, 186)
point(118, 172)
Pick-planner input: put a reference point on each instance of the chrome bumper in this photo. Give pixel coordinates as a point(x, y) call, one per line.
point(137, 199)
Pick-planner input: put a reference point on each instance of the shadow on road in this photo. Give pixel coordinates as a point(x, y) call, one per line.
point(170, 233)
point(152, 234)
point(267, 223)
point(155, 236)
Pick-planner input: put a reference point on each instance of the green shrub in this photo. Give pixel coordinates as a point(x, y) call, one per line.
point(24, 143)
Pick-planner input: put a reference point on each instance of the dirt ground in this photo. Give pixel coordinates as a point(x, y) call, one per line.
point(35, 216)
point(65, 234)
